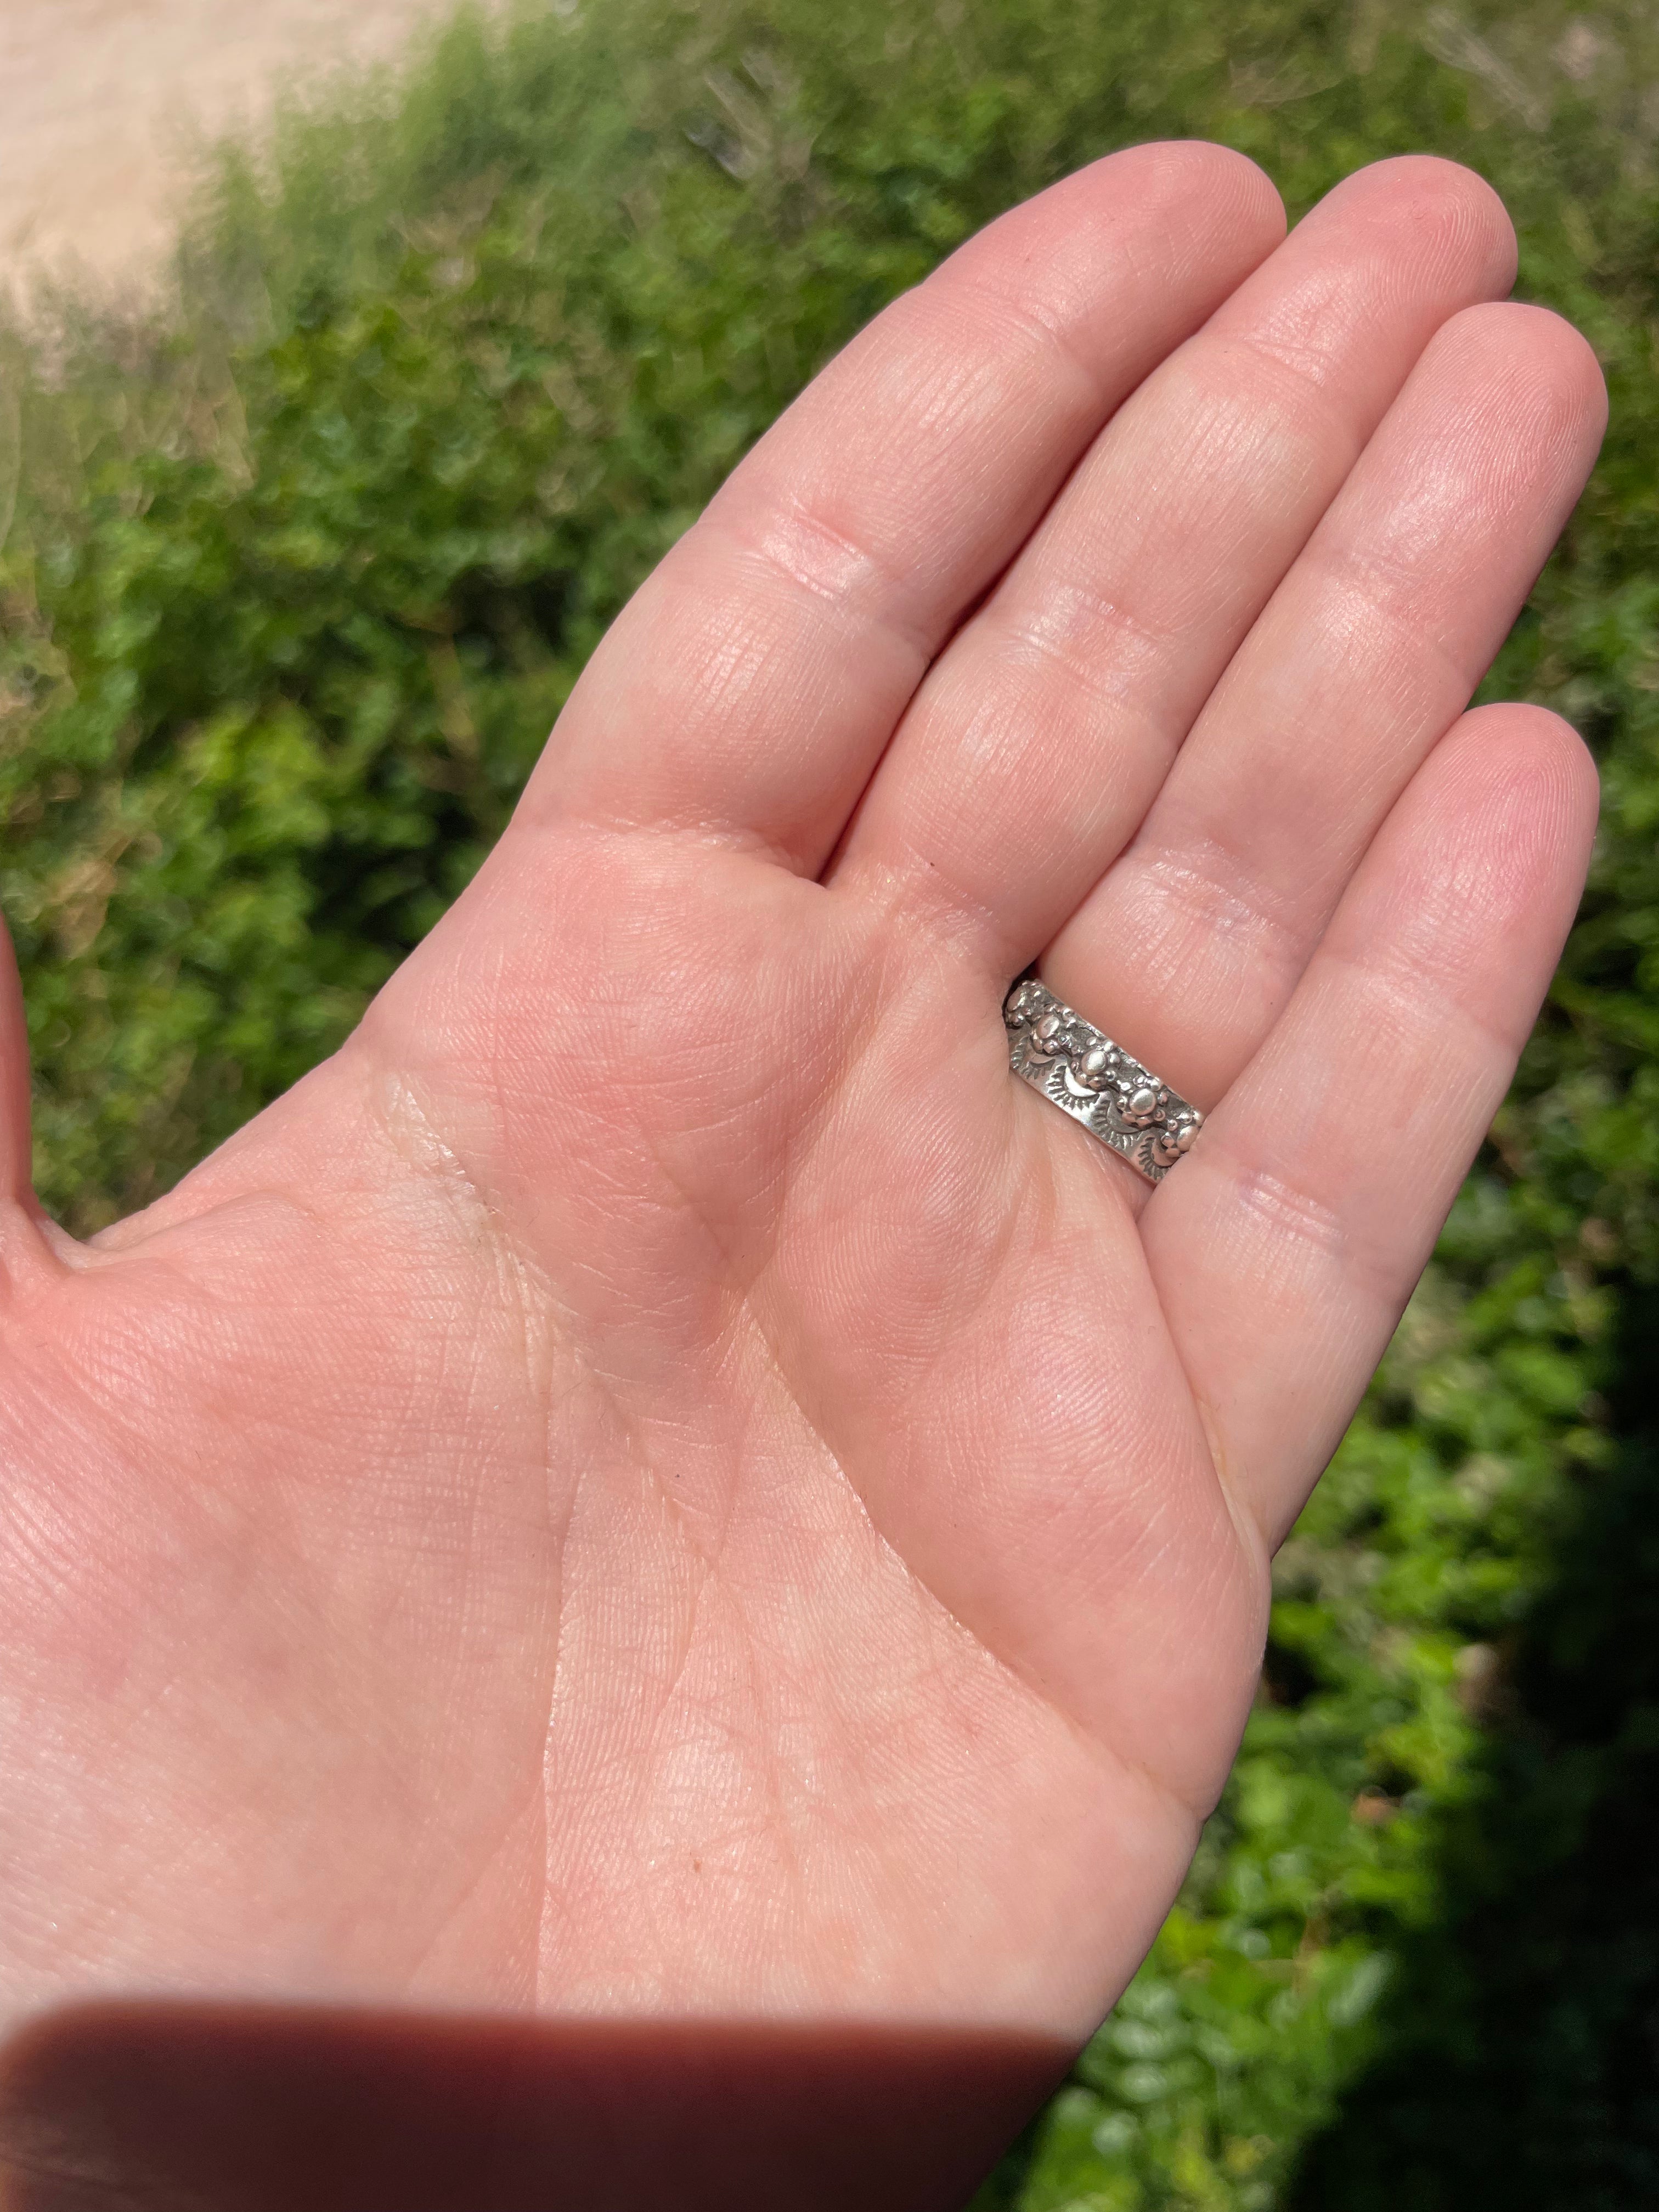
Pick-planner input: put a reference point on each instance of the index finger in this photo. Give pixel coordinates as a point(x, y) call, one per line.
point(751, 686)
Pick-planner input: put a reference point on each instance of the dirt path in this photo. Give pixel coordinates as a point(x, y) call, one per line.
point(97, 98)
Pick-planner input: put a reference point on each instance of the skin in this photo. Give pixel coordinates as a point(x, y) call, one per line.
point(660, 1480)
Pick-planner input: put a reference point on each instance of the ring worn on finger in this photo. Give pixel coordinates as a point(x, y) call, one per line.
point(1079, 1069)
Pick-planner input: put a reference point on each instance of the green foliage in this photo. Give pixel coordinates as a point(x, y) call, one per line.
point(296, 579)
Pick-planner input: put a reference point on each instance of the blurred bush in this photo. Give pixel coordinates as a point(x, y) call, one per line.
point(293, 577)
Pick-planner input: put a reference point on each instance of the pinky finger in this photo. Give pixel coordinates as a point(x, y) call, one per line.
point(1287, 1245)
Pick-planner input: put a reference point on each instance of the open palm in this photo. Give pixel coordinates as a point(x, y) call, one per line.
point(661, 1478)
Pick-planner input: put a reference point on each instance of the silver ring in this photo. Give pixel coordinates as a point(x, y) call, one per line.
point(1095, 1081)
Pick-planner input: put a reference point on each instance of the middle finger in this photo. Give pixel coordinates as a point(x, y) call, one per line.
point(1041, 737)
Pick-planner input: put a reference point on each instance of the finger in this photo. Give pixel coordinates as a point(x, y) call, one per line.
point(1370, 648)
point(1287, 1244)
point(750, 685)
point(1037, 744)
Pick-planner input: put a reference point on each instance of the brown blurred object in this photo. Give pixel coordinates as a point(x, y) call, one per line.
point(1373, 1808)
point(99, 99)
point(1481, 1685)
point(158, 2107)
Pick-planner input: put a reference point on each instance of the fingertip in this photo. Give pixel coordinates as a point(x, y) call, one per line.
point(1575, 367)
point(1458, 220)
point(1518, 393)
point(1493, 836)
point(1479, 869)
point(1228, 179)
point(1219, 192)
point(1541, 358)
point(1548, 773)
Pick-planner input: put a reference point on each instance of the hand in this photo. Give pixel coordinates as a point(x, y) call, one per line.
point(660, 1479)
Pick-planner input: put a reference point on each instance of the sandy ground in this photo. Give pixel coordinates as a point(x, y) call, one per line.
point(98, 100)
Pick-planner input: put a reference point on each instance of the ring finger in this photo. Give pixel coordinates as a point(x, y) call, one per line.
point(1194, 941)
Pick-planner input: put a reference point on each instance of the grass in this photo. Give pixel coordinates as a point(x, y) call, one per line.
point(298, 568)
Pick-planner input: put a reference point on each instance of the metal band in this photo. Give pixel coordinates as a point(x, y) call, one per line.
point(1096, 1081)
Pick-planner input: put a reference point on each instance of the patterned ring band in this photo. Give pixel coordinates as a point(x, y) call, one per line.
point(1115, 1097)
